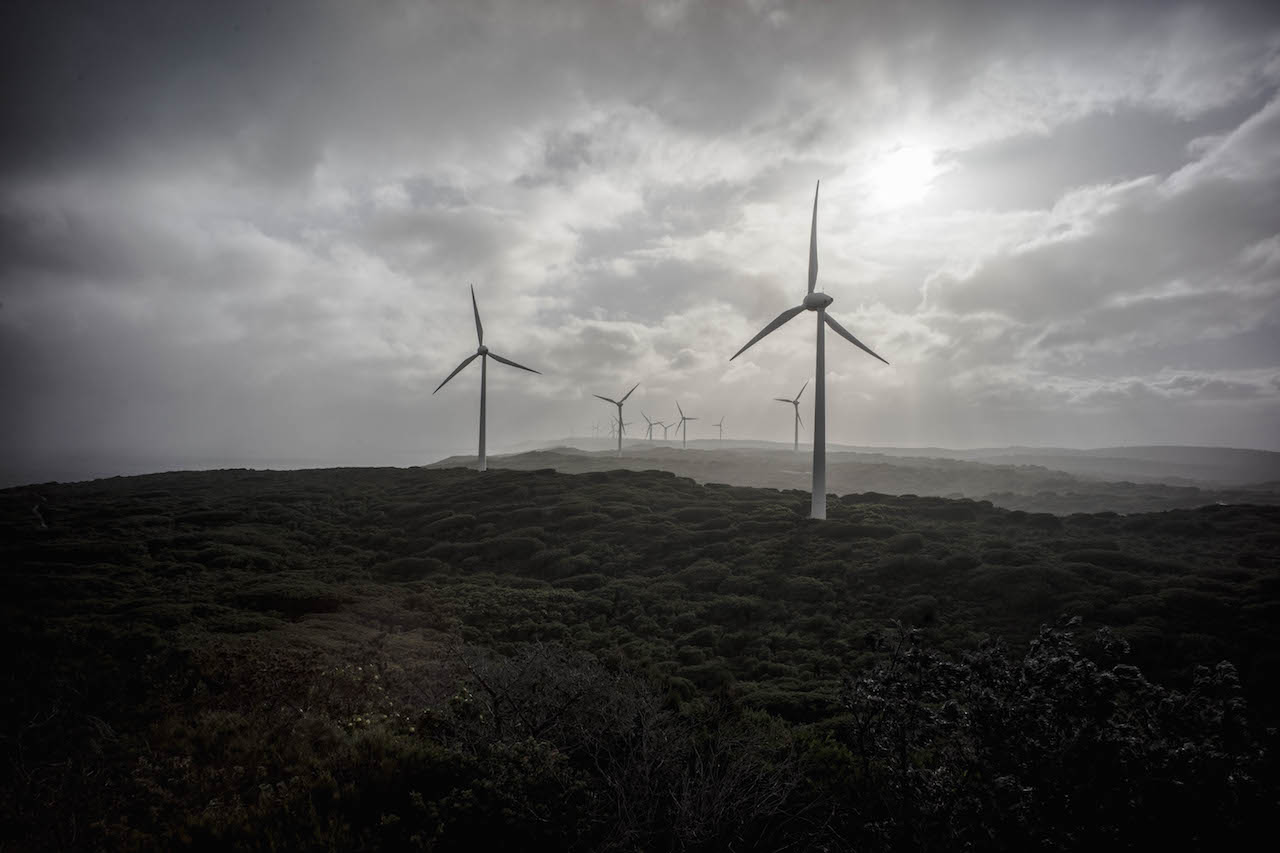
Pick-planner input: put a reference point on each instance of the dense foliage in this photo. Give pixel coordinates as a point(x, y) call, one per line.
point(409, 659)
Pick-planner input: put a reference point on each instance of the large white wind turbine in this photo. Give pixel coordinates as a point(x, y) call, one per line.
point(482, 353)
point(683, 426)
point(618, 403)
point(799, 423)
point(815, 301)
point(720, 426)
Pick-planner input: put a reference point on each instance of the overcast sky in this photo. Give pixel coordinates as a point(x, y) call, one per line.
point(246, 230)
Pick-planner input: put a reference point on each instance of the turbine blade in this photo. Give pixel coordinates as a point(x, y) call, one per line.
point(606, 399)
point(678, 409)
point(465, 362)
point(844, 333)
point(476, 309)
point(690, 419)
point(628, 394)
point(783, 400)
point(813, 241)
point(802, 387)
point(513, 364)
point(799, 420)
point(778, 321)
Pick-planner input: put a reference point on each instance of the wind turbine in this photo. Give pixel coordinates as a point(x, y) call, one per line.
point(482, 353)
point(665, 426)
point(683, 426)
point(720, 426)
point(799, 423)
point(619, 403)
point(648, 433)
point(815, 301)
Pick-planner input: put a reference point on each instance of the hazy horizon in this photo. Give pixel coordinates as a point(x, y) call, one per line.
point(74, 468)
point(246, 231)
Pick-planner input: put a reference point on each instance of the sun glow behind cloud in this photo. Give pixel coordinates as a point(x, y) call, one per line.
point(901, 177)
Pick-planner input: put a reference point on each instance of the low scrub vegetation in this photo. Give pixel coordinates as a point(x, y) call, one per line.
point(373, 659)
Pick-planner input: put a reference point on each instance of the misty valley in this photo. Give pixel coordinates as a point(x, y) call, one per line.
point(440, 659)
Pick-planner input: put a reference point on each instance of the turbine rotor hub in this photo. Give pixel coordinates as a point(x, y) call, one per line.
point(817, 300)
point(482, 350)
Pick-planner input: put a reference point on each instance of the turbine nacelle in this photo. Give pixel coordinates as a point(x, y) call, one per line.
point(482, 350)
point(817, 301)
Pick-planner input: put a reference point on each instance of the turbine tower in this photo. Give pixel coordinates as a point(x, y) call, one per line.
point(799, 423)
point(815, 301)
point(482, 353)
point(619, 403)
point(684, 427)
point(720, 426)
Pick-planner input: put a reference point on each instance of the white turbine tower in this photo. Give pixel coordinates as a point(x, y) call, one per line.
point(618, 403)
point(817, 302)
point(720, 426)
point(482, 353)
point(684, 427)
point(799, 423)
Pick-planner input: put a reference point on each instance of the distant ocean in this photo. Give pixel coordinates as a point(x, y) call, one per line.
point(69, 469)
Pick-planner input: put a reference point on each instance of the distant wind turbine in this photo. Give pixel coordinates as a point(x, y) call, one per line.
point(618, 403)
point(648, 433)
point(817, 302)
point(683, 426)
point(799, 423)
point(665, 426)
point(720, 426)
point(482, 353)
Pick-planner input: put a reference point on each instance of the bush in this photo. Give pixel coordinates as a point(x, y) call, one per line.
point(904, 543)
point(410, 568)
point(1051, 749)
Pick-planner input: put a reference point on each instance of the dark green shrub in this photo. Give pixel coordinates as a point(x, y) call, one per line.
point(410, 568)
point(904, 543)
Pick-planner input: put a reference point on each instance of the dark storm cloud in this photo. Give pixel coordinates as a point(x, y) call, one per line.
point(274, 210)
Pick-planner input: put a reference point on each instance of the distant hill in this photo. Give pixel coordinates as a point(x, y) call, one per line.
point(1166, 464)
point(1171, 464)
point(1015, 478)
